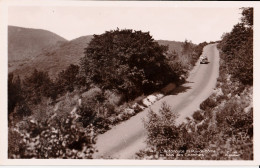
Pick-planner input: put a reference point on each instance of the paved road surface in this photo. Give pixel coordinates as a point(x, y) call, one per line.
point(127, 138)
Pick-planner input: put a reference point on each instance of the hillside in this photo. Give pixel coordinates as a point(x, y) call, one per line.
point(25, 43)
point(173, 45)
point(57, 57)
point(119, 76)
point(54, 56)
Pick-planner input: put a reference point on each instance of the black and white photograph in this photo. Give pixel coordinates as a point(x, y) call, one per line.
point(131, 82)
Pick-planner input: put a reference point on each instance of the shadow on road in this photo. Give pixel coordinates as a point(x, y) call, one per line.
point(205, 63)
point(180, 89)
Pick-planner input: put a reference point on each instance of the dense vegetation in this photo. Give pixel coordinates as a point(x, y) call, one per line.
point(237, 49)
point(51, 134)
point(129, 55)
point(223, 127)
point(223, 131)
point(118, 67)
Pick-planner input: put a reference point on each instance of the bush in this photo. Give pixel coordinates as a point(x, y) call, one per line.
point(209, 103)
point(55, 137)
point(113, 98)
point(14, 140)
point(87, 114)
point(162, 130)
point(23, 110)
point(197, 115)
point(231, 129)
point(233, 116)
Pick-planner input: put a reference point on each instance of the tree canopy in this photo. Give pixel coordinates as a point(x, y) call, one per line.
point(237, 48)
point(127, 61)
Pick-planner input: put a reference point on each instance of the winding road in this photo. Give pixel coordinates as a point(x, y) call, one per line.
point(127, 138)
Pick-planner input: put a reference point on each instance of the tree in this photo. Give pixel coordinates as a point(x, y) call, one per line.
point(187, 47)
point(16, 99)
point(128, 61)
point(161, 128)
point(68, 79)
point(248, 16)
point(38, 85)
point(242, 68)
point(237, 48)
point(14, 92)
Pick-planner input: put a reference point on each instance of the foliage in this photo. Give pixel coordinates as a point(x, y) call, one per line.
point(198, 50)
point(17, 104)
point(187, 47)
point(237, 48)
point(128, 61)
point(161, 128)
point(95, 110)
point(181, 64)
point(14, 92)
point(209, 103)
point(197, 116)
point(242, 68)
point(164, 136)
point(236, 126)
point(232, 115)
point(38, 85)
point(193, 52)
point(55, 137)
point(69, 79)
point(87, 114)
point(248, 16)
point(225, 130)
point(222, 126)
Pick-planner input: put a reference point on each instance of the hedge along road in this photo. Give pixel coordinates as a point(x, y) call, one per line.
point(127, 138)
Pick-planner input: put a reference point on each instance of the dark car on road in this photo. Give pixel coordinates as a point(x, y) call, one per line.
point(204, 60)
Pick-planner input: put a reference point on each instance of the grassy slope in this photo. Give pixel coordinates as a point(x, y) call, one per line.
point(26, 43)
point(173, 45)
point(54, 56)
point(57, 57)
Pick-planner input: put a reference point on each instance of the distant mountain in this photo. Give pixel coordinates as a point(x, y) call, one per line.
point(57, 57)
point(47, 51)
point(173, 45)
point(26, 43)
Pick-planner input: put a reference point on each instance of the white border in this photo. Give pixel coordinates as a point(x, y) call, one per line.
point(3, 76)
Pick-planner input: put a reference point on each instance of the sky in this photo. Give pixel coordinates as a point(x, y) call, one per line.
point(163, 23)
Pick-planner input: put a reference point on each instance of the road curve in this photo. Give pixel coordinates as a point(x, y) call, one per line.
point(127, 138)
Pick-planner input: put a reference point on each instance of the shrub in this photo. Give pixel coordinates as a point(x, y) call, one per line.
point(113, 98)
point(14, 140)
point(87, 114)
point(162, 130)
point(23, 110)
point(209, 103)
point(233, 116)
point(197, 115)
point(55, 137)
